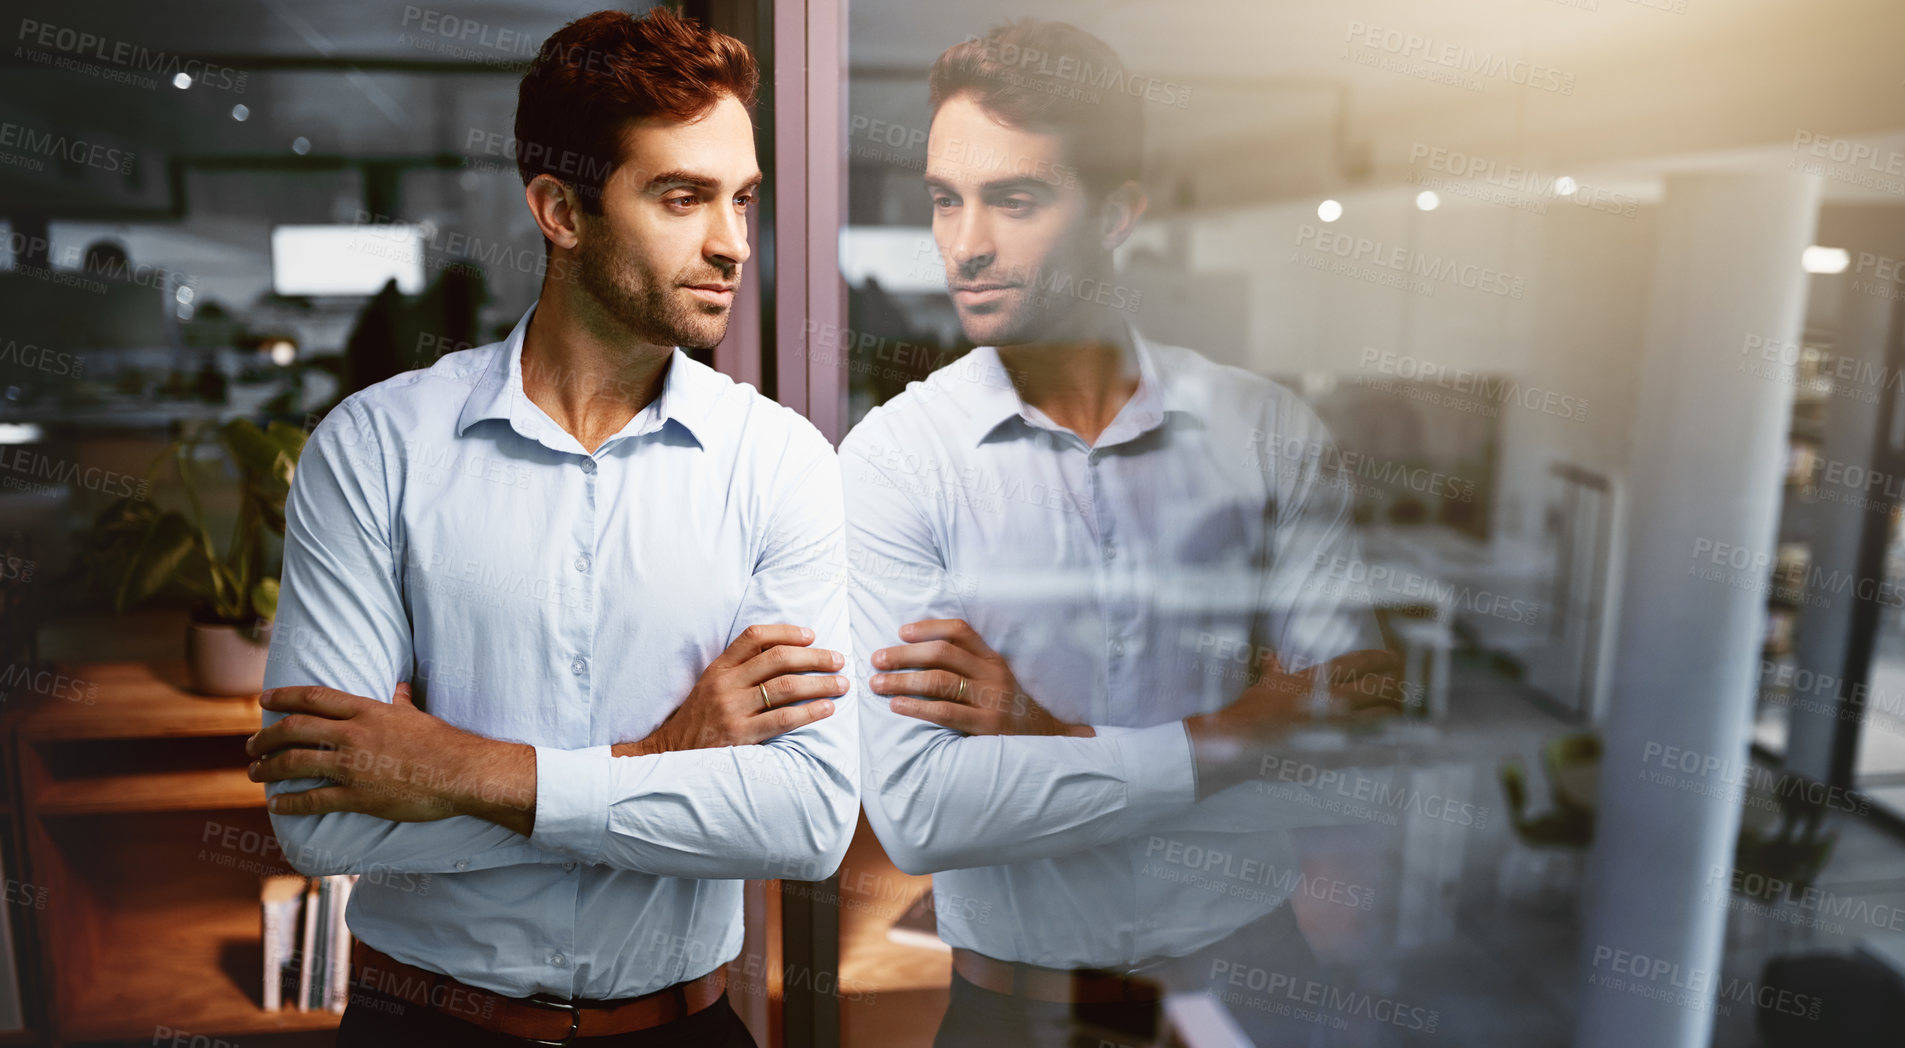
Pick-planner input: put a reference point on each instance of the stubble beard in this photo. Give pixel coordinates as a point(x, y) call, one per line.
point(652, 310)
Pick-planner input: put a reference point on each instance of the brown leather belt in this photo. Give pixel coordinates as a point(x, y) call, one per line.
point(1056, 985)
point(539, 1019)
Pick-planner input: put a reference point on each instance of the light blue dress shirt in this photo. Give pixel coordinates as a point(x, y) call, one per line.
point(442, 529)
point(1129, 584)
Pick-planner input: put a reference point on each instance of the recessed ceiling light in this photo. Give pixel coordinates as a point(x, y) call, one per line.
point(1825, 260)
point(1329, 211)
point(1427, 200)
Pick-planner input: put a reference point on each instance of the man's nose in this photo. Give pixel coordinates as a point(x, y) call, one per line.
point(727, 240)
point(971, 248)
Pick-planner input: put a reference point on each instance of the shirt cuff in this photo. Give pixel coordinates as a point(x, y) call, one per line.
point(1158, 770)
point(572, 801)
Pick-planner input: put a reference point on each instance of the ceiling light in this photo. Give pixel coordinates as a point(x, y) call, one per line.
point(1816, 259)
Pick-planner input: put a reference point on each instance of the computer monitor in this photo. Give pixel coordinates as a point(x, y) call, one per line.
point(346, 260)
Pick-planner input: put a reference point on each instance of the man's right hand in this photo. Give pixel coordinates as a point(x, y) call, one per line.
point(1228, 746)
point(726, 706)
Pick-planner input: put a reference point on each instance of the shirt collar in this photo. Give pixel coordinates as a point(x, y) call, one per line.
point(993, 401)
point(687, 394)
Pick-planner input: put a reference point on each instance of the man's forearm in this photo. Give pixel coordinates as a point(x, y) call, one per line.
point(497, 783)
point(1222, 758)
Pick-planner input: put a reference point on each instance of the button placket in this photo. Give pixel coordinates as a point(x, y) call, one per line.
point(1101, 584)
point(578, 626)
point(584, 630)
point(1117, 605)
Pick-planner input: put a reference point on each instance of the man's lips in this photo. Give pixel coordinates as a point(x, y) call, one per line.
point(981, 292)
point(722, 293)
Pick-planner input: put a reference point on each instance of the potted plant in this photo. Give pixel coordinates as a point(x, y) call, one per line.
point(138, 550)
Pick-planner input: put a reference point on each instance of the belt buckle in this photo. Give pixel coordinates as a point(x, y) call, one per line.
point(543, 1000)
point(1142, 968)
point(1149, 975)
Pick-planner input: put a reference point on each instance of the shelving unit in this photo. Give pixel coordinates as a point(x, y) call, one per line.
point(134, 811)
point(1812, 399)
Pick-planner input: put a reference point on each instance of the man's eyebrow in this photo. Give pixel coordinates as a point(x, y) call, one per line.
point(688, 179)
point(997, 185)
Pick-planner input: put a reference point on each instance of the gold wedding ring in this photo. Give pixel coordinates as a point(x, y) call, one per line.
point(961, 696)
point(764, 703)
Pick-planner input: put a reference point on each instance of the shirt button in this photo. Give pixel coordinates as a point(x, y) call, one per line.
point(462, 864)
point(1111, 551)
point(569, 866)
point(588, 465)
point(582, 562)
point(578, 665)
point(558, 960)
point(1117, 647)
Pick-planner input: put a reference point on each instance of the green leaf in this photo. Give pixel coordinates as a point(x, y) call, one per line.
point(124, 514)
point(264, 598)
point(267, 465)
point(168, 545)
point(288, 437)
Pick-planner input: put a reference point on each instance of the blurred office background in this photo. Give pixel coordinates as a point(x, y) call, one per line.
point(1623, 274)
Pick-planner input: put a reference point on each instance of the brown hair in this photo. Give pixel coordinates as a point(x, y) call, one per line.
point(594, 75)
point(1053, 78)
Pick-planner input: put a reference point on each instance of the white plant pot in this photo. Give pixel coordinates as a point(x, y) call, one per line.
point(226, 660)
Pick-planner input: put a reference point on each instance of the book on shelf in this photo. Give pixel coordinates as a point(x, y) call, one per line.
point(307, 943)
point(278, 900)
point(318, 950)
point(339, 983)
point(304, 943)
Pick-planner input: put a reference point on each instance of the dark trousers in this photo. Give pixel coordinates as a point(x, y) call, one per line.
point(979, 1018)
point(374, 1020)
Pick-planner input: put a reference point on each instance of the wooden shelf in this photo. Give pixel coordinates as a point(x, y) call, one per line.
point(191, 790)
point(148, 926)
point(192, 966)
point(136, 700)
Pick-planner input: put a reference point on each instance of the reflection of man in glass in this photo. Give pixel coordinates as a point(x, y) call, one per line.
point(1095, 615)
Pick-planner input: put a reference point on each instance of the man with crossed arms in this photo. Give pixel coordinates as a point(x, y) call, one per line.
point(613, 574)
point(1056, 543)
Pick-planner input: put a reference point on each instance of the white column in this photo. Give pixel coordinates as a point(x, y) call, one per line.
point(1704, 481)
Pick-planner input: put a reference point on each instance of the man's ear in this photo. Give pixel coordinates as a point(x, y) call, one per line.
point(555, 207)
point(1119, 216)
